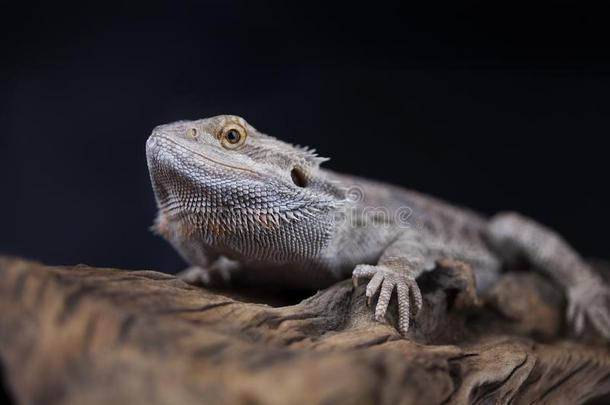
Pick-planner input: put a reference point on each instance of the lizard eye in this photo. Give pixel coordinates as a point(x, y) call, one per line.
point(233, 136)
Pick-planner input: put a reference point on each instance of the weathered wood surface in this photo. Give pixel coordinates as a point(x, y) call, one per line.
point(83, 335)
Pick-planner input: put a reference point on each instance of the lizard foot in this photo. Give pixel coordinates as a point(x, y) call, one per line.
point(197, 276)
point(219, 274)
point(590, 301)
point(407, 291)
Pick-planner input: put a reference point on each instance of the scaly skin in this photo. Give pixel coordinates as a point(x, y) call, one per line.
point(238, 203)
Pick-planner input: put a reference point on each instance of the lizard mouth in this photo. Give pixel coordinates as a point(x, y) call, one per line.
point(159, 142)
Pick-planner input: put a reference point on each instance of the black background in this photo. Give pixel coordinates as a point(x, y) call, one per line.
point(492, 105)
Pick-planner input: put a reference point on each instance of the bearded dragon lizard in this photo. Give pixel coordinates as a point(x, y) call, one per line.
point(235, 202)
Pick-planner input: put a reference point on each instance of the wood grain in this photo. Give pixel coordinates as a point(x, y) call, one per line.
point(84, 335)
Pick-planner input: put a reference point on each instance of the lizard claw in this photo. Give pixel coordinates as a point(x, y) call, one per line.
point(219, 274)
point(196, 275)
point(386, 280)
point(590, 301)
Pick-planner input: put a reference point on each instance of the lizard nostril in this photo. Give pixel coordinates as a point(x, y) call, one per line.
point(298, 178)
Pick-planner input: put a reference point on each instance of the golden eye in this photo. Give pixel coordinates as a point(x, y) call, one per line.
point(233, 136)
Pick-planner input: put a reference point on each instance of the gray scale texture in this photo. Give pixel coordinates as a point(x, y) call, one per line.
point(239, 211)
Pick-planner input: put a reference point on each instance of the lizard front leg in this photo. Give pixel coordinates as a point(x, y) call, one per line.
point(206, 269)
point(397, 269)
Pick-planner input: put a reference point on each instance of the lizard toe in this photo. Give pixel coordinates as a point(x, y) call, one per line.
point(416, 297)
point(385, 295)
point(402, 290)
point(195, 275)
point(590, 303)
point(362, 271)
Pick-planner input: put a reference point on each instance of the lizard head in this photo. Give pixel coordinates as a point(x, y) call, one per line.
point(243, 193)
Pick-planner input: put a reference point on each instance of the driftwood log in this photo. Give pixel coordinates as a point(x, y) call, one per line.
point(84, 335)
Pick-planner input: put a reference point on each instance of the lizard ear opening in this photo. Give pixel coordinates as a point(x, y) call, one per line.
point(298, 178)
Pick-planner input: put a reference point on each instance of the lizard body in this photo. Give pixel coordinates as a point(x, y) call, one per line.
point(235, 202)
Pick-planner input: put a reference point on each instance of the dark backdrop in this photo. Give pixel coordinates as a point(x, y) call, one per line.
point(493, 105)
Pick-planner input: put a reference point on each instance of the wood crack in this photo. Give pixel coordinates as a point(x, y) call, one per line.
point(96, 336)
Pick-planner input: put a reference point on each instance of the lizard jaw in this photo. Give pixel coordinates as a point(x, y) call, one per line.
point(158, 141)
